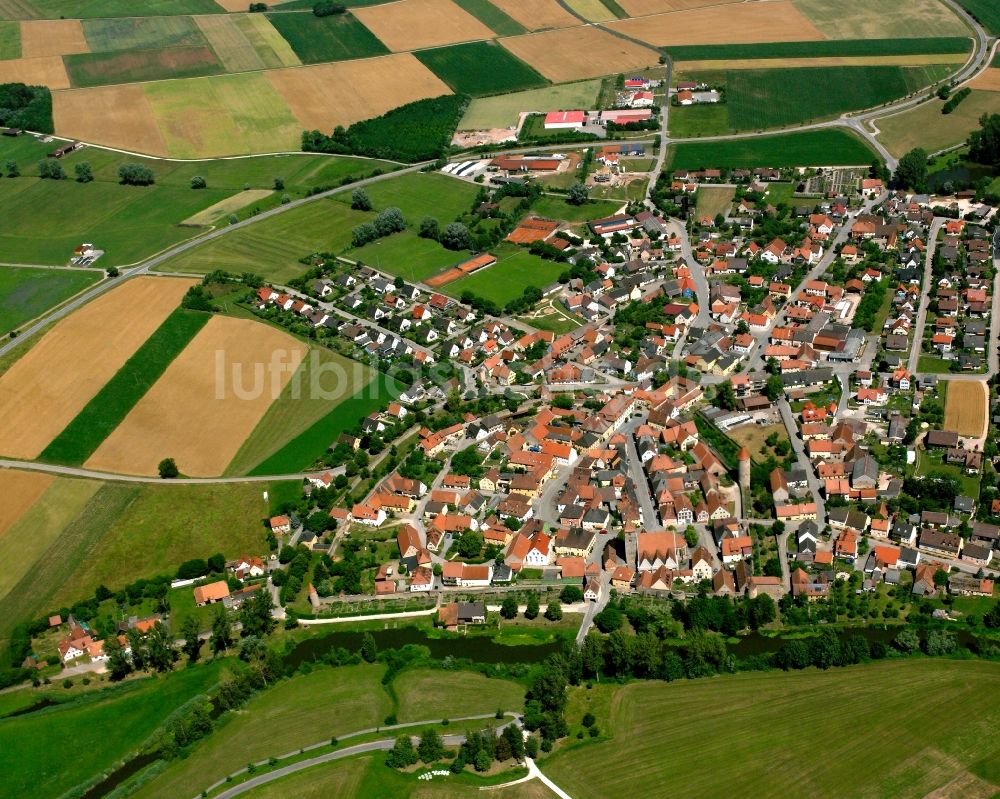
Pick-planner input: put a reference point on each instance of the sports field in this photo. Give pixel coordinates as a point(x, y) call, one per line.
point(506, 280)
point(20, 490)
point(537, 15)
point(206, 403)
point(873, 19)
point(43, 391)
point(480, 68)
point(26, 293)
point(925, 126)
point(777, 21)
point(574, 53)
point(333, 38)
point(408, 255)
point(305, 710)
point(416, 24)
point(809, 148)
point(965, 408)
point(323, 96)
point(324, 380)
point(501, 111)
point(807, 739)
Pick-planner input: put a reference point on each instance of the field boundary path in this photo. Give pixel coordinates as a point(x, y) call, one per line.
point(72, 471)
point(371, 746)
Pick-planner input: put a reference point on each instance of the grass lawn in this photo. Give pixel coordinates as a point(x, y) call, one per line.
point(306, 448)
point(808, 148)
point(100, 729)
point(432, 694)
point(324, 378)
point(932, 364)
point(46, 219)
point(752, 437)
point(303, 710)
point(333, 38)
point(907, 751)
point(112, 403)
point(925, 126)
point(419, 194)
point(408, 255)
point(931, 463)
point(553, 206)
point(507, 279)
point(699, 120)
point(712, 200)
point(552, 317)
point(501, 111)
point(27, 293)
point(780, 193)
point(480, 68)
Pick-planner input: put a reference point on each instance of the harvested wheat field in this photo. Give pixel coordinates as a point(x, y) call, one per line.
point(575, 53)
point(232, 47)
point(537, 14)
point(45, 37)
point(416, 24)
point(988, 80)
point(45, 390)
point(48, 71)
point(965, 408)
point(115, 116)
point(216, 211)
point(778, 21)
point(642, 8)
point(207, 403)
point(326, 95)
point(233, 5)
point(19, 491)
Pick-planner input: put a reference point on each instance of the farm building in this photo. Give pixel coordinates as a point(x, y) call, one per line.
point(626, 117)
point(519, 163)
point(565, 120)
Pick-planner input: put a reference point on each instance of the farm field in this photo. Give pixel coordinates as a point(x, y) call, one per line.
point(593, 10)
point(492, 17)
point(423, 695)
point(953, 60)
point(712, 200)
point(777, 21)
point(83, 9)
point(306, 448)
point(116, 324)
point(925, 126)
point(230, 205)
point(640, 8)
point(479, 68)
point(987, 81)
point(10, 40)
point(142, 33)
point(416, 24)
point(506, 280)
point(47, 71)
point(326, 95)
point(986, 11)
point(272, 50)
point(295, 713)
point(188, 415)
point(115, 116)
point(20, 489)
point(965, 408)
point(768, 98)
point(501, 111)
point(421, 194)
point(537, 15)
point(872, 720)
point(872, 19)
point(42, 519)
point(575, 53)
point(324, 380)
point(817, 148)
point(25, 293)
point(120, 394)
point(333, 38)
point(105, 727)
point(51, 37)
point(954, 45)
point(101, 69)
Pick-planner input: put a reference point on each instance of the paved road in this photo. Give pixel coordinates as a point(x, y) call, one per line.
point(69, 471)
point(337, 754)
point(800, 453)
point(151, 263)
point(916, 347)
point(650, 518)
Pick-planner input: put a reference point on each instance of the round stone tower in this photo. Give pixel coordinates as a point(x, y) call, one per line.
point(744, 458)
